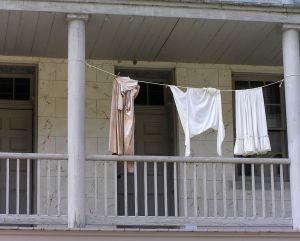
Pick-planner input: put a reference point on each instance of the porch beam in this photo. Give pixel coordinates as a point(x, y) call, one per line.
point(276, 14)
point(291, 65)
point(76, 120)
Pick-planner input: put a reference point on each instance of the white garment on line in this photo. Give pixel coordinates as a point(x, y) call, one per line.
point(199, 110)
point(251, 124)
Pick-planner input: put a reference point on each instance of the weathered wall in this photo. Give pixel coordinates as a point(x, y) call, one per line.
point(52, 122)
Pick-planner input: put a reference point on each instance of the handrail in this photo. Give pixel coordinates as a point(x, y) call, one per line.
point(189, 159)
point(94, 157)
point(40, 156)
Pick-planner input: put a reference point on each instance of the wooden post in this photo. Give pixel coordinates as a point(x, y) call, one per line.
point(291, 64)
point(76, 120)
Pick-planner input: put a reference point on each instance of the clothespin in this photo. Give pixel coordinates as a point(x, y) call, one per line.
point(281, 82)
point(118, 75)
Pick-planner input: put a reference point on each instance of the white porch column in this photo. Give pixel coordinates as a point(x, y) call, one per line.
point(76, 120)
point(291, 64)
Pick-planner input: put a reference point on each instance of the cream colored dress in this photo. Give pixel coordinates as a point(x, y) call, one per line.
point(122, 121)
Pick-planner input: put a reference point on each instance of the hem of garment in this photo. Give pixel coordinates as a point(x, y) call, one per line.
point(252, 146)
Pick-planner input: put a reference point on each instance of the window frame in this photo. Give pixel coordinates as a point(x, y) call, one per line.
point(248, 77)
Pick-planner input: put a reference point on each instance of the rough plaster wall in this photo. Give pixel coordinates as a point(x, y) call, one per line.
point(52, 129)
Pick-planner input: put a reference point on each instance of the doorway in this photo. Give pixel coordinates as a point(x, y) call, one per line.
point(16, 130)
point(154, 136)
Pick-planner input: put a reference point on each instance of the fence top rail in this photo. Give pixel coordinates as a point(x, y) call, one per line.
point(36, 156)
point(55, 156)
point(189, 159)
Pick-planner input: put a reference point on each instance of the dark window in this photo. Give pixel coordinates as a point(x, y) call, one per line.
point(6, 88)
point(141, 99)
point(14, 88)
point(149, 94)
point(22, 89)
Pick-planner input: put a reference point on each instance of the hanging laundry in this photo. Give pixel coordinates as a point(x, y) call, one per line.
point(199, 110)
point(121, 133)
point(251, 124)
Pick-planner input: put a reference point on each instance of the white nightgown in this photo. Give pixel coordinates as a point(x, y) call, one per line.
point(251, 125)
point(199, 110)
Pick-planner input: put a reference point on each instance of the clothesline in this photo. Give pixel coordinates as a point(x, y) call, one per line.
point(184, 87)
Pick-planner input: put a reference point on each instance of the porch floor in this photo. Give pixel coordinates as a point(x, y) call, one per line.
point(89, 233)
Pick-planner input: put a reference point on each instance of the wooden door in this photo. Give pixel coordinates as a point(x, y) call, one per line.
point(153, 138)
point(154, 135)
point(15, 136)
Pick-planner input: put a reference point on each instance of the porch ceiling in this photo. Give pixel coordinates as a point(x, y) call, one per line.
point(144, 38)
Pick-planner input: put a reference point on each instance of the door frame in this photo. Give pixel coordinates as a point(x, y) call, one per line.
point(18, 70)
point(32, 103)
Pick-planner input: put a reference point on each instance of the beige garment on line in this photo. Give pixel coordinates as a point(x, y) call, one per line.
point(122, 121)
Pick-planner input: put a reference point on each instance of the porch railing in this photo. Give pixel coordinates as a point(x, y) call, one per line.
point(204, 191)
point(32, 188)
point(162, 191)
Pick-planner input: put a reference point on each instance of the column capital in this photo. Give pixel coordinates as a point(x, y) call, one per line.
point(75, 16)
point(287, 26)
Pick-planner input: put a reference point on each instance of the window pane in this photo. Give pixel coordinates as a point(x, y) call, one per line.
point(6, 88)
point(273, 116)
point(22, 89)
point(141, 98)
point(156, 95)
point(272, 94)
point(255, 84)
point(240, 85)
point(275, 139)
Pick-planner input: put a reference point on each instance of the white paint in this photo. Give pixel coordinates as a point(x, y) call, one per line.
point(253, 191)
point(183, 159)
point(263, 194)
point(199, 221)
point(7, 186)
point(76, 120)
point(28, 187)
point(175, 189)
point(17, 219)
point(291, 63)
point(234, 191)
point(282, 192)
point(18, 188)
point(146, 188)
point(59, 187)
